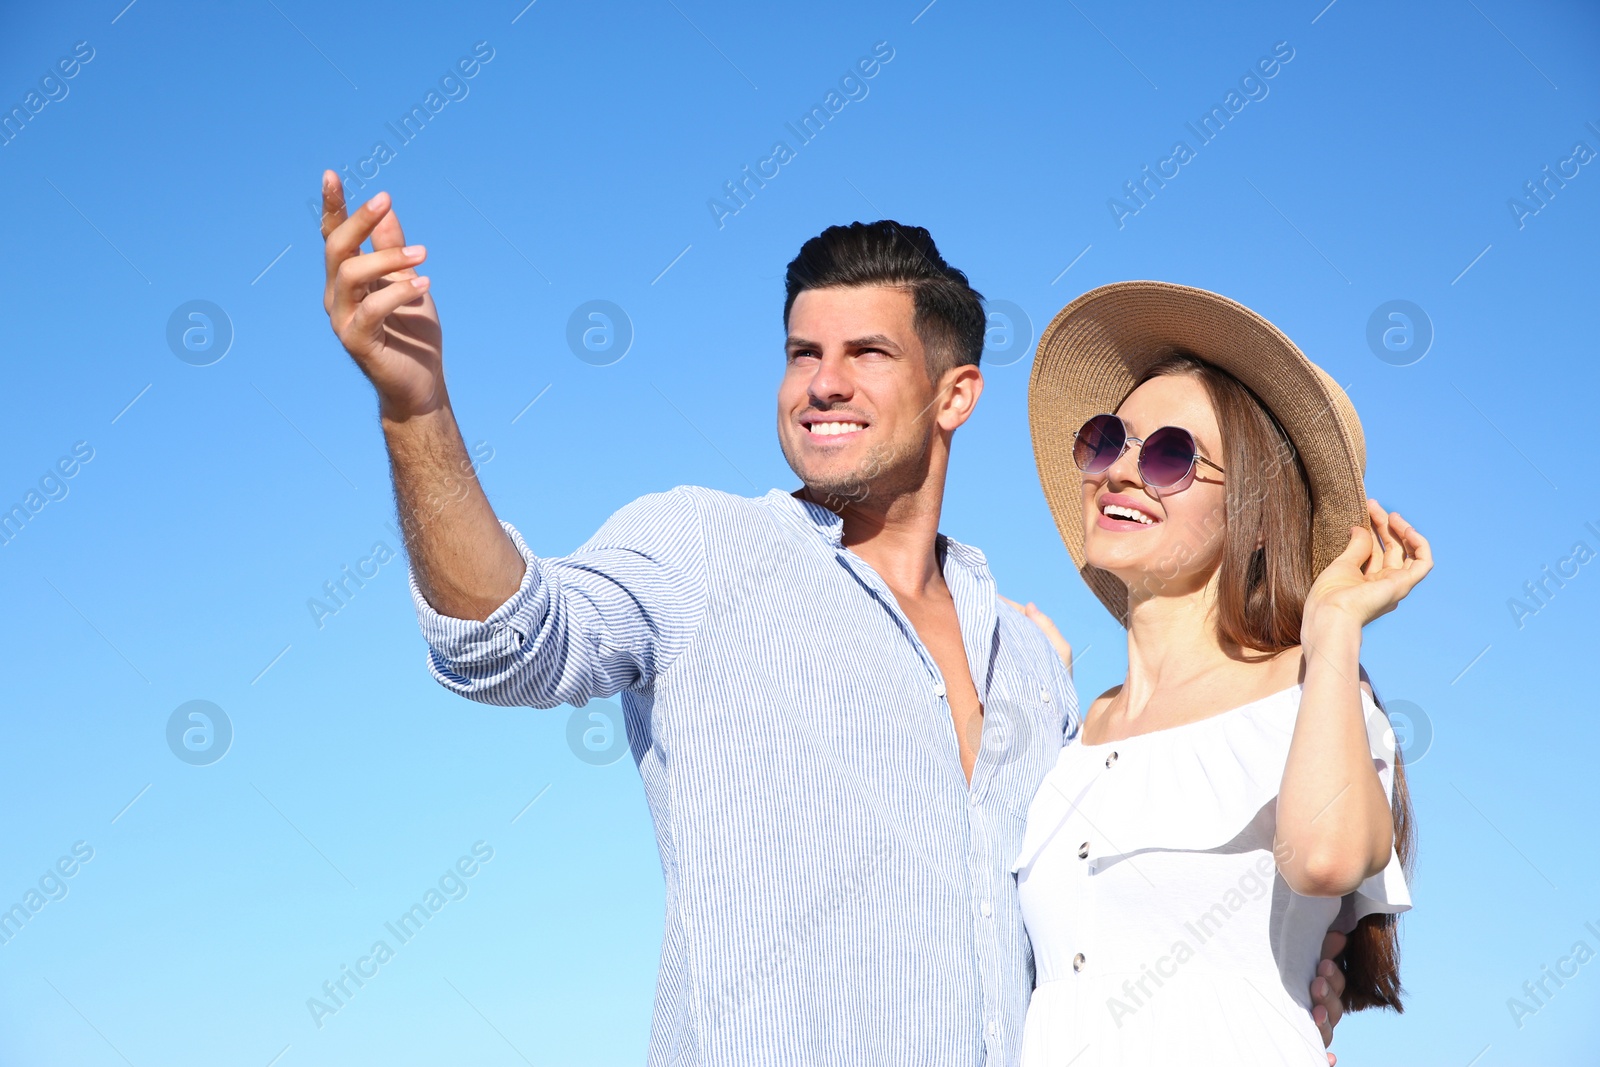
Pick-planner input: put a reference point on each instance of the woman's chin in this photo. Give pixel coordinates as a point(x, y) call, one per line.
point(1117, 564)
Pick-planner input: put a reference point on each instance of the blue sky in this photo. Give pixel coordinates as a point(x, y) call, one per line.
point(212, 493)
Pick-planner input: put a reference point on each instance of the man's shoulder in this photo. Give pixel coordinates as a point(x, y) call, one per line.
point(685, 506)
point(1021, 634)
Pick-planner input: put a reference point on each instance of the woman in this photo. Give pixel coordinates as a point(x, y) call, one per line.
point(1240, 793)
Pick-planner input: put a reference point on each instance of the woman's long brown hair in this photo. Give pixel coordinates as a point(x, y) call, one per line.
point(1264, 577)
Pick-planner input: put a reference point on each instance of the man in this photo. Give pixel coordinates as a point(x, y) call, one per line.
point(838, 723)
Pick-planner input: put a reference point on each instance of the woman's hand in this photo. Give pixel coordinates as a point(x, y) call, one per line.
point(1371, 576)
point(1041, 620)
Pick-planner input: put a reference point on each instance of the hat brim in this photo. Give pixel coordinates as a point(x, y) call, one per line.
point(1098, 347)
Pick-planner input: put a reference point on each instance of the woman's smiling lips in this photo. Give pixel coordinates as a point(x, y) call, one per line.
point(1119, 513)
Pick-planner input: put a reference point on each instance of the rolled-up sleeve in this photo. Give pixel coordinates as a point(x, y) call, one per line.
point(613, 615)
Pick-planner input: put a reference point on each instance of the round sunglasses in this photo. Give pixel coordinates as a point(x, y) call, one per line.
point(1166, 456)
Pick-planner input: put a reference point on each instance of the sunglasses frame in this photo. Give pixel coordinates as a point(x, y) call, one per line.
point(1177, 484)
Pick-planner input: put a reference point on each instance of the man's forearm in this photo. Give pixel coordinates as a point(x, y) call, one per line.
point(465, 564)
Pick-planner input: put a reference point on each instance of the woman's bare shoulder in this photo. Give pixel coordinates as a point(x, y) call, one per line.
point(1098, 704)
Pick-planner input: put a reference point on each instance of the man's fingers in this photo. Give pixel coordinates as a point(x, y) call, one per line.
point(1329, 972)
point(355, 276)
point(333, 209)
point(388, 234)
point(1333, 943)
point(369, 316)
point(1327, 988)
point(345, 239)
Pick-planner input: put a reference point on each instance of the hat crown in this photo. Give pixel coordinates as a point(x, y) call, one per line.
point(1099, 346)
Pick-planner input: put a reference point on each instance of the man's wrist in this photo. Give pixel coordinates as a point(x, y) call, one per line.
point(395, 412)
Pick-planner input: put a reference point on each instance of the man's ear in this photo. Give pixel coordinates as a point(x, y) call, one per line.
point(959, 389)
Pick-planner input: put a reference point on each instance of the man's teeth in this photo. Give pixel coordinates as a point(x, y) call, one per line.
point(1117, 511)
point(828, 429)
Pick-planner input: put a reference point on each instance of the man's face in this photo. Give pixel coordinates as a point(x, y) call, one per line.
point(856, 408)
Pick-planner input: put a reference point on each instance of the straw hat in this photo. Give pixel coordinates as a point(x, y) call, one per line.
point(1097, 348)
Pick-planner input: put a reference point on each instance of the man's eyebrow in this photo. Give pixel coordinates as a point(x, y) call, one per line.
point(876, 340)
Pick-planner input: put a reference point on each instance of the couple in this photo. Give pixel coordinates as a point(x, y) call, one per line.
point(886, 833)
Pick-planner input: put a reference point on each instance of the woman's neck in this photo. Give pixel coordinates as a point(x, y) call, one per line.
point(1172, 640)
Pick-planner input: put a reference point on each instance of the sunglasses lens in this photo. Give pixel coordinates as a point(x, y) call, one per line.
point(1166, 457)
point(1099, 444)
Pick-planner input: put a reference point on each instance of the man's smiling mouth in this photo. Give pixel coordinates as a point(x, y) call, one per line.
point(833, 429)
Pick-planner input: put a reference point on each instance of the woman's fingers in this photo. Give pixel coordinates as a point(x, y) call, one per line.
point(1360, 547)
point(1380, 521)
point(1421, 552)
point(1043, 621)
point(1394, 552)
point(357, 274)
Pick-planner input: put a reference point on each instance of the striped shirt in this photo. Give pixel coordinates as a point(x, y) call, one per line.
point(835, 891)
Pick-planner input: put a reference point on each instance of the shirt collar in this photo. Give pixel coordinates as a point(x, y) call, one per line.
point(830, 526)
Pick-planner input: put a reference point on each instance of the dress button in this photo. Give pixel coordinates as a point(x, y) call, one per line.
point(938, 689)
point(1083, 851)
point(1110, 760)
point(1077, 962)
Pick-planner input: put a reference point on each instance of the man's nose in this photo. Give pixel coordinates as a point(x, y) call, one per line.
point(831, 381)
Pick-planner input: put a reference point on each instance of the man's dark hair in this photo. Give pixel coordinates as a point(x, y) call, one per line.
point(947, 312)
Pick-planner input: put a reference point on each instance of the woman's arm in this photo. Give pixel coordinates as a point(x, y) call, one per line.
point(1335, 827)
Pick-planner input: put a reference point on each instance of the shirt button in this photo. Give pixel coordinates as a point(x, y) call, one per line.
point(986, 908)
point(938, 689)
point(1044, 695)
point(1110, 760)
point(1083, 851)
point(1078, 961)
point(994, 1029)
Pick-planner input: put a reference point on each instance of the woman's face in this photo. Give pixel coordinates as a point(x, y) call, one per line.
point(1176, 544)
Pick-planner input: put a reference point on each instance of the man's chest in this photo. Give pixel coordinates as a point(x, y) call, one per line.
point(935, 621)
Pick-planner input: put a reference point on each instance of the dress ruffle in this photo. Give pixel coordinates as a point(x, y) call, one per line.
point(1208, 780)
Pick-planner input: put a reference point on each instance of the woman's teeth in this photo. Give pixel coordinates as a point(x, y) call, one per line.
point(1117, 511)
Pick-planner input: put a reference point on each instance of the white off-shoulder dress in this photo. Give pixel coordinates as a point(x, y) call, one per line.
point(1162, 932)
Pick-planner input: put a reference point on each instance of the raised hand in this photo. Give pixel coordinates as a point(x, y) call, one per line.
point(1373, 574)
point(379, 306)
